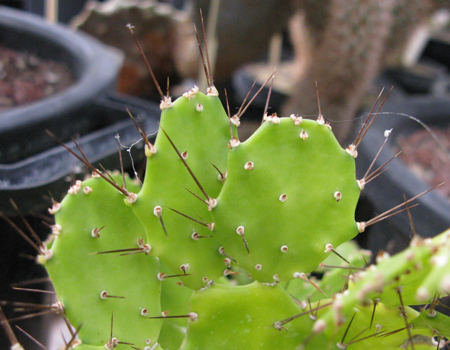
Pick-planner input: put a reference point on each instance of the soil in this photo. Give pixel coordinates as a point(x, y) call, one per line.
point(428, 159)
point(25, 78)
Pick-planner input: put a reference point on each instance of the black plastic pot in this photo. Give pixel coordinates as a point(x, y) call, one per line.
point(30, 165)
point(432, 216)
point(30, 178)
point(95, 68)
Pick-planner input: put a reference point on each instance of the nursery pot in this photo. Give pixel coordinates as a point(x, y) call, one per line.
point(23, 142)
point(94, 66)
point(432, 215)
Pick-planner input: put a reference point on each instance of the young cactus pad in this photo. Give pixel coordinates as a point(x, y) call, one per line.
point(100, 291)
point(199, 129)
point(289, 197)
point(243, 317)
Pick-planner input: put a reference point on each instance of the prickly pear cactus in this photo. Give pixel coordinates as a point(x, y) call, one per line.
point(290, 182)
point(108, 295)
point(216, 250)
point(195, 135)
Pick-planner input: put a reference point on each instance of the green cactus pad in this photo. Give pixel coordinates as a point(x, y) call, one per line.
point(385, 331)
point(89, 285)
point(291, 190)
point(197, 124)
point(174, 299)
point(243, 317)
point(334, 280)
point(400, 276)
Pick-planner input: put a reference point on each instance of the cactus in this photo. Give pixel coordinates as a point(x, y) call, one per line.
point(271, 208)
point(216, 249)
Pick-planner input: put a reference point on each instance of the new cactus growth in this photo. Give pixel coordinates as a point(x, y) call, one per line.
point(215, 250)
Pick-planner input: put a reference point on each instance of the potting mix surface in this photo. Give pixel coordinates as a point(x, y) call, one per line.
point(25, 78)
point(427, 157)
